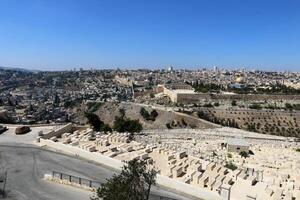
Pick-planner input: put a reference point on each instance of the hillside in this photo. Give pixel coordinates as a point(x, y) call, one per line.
point(108, 111)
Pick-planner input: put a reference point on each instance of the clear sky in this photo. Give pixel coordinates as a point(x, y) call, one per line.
point(63, 34)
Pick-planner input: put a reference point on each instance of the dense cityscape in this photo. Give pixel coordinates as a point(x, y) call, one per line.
point(216, 127)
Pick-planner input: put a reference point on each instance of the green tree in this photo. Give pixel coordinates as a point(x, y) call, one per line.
point(233, 103)
point(56, 101)
point(231, 166)
point(97, 124)
point(255, 106)
point(244, 154)
point(133, 183)
point(123, 124)
point(168, 125)
point(153, 114)
point(148, 116)
point(144, 113)
point(122, 112)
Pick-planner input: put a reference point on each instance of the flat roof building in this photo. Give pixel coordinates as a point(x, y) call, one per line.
point(237, 145)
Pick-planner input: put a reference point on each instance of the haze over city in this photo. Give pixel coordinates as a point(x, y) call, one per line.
point(61, 35)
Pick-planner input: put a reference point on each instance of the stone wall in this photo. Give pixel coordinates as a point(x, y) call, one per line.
point(58, 132)
point(198, 97)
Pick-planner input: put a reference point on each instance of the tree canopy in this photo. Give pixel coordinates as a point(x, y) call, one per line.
point(123, 124)
point(97, 124)
point(133, 183)
point(148, 116)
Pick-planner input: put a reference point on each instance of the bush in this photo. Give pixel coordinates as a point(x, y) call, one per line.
point(231, 166)
point(134, 182)
point(255, 106)
point(251, 127)
point(292, 106)
point(208, 105)
point(145, 114)
point(94, 106)
point(183, 122)
point(244, 154)
point(154, 114)
point(233, 103)
point(251, 152)
point(122, 124)
point(204, 88)
point(216, 104)
point(168, 125)
point(97, 124)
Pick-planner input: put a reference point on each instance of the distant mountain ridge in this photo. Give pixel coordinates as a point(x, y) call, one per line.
point(17, 69)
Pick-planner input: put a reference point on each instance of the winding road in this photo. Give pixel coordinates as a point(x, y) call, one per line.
point(26, 165)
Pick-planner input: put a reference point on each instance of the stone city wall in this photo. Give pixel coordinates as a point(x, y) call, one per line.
point(143, 93)
point(198, 97)
point(171, 94)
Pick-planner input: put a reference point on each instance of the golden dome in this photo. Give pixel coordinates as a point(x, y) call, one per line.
point(239, 79)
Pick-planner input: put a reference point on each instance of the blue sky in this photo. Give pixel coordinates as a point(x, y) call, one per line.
point(63, 34)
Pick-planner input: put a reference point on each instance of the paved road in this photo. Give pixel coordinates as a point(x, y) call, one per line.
point(26, 167)
point(27, 164)
point(10, 136)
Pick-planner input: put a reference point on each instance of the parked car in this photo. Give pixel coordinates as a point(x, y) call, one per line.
point(22, 130)
point(3, 129)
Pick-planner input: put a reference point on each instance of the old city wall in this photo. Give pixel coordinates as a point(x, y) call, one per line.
point(171, 94)
point(143, 93)
point(192, 98)
point(256, 97)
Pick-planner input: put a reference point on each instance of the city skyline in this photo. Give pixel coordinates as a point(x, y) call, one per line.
point(61, 35)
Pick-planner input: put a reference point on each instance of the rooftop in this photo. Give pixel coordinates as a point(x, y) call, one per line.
point(237, 141)
point(184, 91)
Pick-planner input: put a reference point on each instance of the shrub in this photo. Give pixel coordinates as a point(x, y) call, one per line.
point(97, 124)
point(216, 104)
point(233, 103)
point(168, 125)
point(244, 154)
point(145, 114)
point(231, 166)
point(134, 182)
point(122, 124)
point(255, 106)
point(154, 114)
